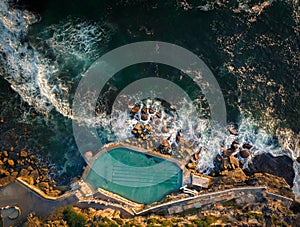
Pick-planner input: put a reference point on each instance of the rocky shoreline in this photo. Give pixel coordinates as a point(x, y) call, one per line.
point(17, 160)
point(237, 156)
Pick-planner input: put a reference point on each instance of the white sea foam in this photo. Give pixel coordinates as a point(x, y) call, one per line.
point(38, 78)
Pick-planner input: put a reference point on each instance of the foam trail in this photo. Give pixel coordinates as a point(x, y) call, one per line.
point(29, 68)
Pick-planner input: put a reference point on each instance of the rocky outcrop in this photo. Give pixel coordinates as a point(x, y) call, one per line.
point(281, 166)
point(14, 163)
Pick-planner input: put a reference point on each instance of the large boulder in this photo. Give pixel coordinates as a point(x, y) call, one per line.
point(281, 166)
point(244, 153)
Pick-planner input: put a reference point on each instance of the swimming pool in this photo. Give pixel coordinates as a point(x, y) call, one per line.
point(134, 175)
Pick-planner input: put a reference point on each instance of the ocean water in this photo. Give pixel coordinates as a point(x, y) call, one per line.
point(252, 48)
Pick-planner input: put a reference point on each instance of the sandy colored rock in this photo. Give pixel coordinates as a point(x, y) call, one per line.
point(43, 185)
point(10, 162)
point(5, 153)
point(29, 180)
point(234, 162)
point(34, 174)
point(4, 172)
point(24, 172)
point(191, 165)
point(23, 154)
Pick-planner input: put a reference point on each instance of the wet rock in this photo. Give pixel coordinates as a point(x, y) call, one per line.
point(244, 153)
point(281, 166)
point(233, 131)
point(218, 158)
point(228, 152)
point(235, 145)
point(165, 129)
point(144, 117)
point(247, 146)
point(197, 155)
point(144, 110)
point(151, 111)
point(158, 115)
point(135, 109)
point(179, 138)
point(165, 143)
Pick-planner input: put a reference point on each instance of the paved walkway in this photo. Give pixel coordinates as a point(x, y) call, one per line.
point(17, 194)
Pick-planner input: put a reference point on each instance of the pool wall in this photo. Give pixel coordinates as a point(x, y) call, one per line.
point(185, 174)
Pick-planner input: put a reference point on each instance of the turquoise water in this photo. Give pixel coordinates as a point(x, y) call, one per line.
point(136, 176)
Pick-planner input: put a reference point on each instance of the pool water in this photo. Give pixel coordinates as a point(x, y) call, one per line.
point(135, 175)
